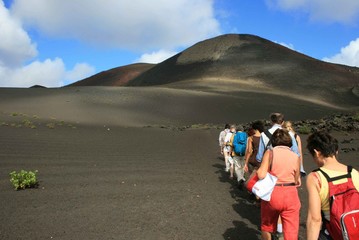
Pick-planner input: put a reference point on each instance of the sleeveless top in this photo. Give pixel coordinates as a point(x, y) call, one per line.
point(284, 164)
point(324, 187)
point(255, 146)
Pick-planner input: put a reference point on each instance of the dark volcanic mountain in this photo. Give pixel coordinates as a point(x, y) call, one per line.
point(115, 77)
point(250, 63)
point(235, 64)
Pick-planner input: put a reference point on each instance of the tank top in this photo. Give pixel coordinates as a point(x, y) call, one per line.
point(284, 164)
point(255, 147)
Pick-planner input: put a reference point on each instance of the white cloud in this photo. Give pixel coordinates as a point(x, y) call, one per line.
point(349, 55)
point(16, 48)
point(15, 44)
point(342, 11)
point(136, 24)
point(156, 57)
point(49, 73)
point(79, 72)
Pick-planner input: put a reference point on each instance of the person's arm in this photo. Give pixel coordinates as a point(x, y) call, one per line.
point(260, 150)
point(298, 180)
point(230, 143)
point(314, 218)
point(249, 152)
point(263, 169)
point(299, 141)
point(220, 139)
point(294, 147)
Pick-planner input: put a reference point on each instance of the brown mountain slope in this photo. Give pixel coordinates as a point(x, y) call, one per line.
point(115, 77)
point(232, 63)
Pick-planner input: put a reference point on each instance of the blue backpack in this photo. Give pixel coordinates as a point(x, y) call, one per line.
point(240, 143)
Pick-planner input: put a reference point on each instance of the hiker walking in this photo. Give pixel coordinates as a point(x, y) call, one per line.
point(289, 126)
point(252, 147)
point(277, 120)
point(332, 192)
point(265, 143)
point(284, 202)
point(222, 136)
point(238, 143)
point(227, 150)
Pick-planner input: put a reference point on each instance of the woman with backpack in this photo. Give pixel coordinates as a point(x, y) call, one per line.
point(238, 144)
point(330, 188)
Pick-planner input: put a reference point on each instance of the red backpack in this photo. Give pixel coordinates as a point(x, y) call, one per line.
point(344, 206)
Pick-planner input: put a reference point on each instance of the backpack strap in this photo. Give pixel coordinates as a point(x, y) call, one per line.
point(329, 179)
point(269, 136)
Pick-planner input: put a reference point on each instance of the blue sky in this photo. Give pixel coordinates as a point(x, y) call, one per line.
point(54, 43)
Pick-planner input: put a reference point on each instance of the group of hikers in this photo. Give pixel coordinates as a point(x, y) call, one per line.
point(278, 151)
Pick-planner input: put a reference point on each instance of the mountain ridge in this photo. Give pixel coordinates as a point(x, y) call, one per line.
point(243, 62)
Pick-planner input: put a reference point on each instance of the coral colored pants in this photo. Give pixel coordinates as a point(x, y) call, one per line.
point(284, 202)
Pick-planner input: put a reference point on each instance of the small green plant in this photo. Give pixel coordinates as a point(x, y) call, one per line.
point(23, 179)
point(50, 125)
point(27, 123)
point(14, 114)
point(304, 129)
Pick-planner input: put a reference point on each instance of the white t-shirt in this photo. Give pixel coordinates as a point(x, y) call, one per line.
point(221, 138)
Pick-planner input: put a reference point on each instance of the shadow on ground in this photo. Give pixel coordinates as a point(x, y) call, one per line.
point(240, 231)
point(245, 206)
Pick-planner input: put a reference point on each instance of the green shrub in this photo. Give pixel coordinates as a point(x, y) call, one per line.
point(23, 179)
point(304, 129)
point(50, 125)
point(27, 123)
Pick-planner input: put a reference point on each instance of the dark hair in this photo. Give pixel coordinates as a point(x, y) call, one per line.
point(281, 137)
point(226, 126)
point(251, 132)
point(277, 118)
point(258, 125)
point(323, 142)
